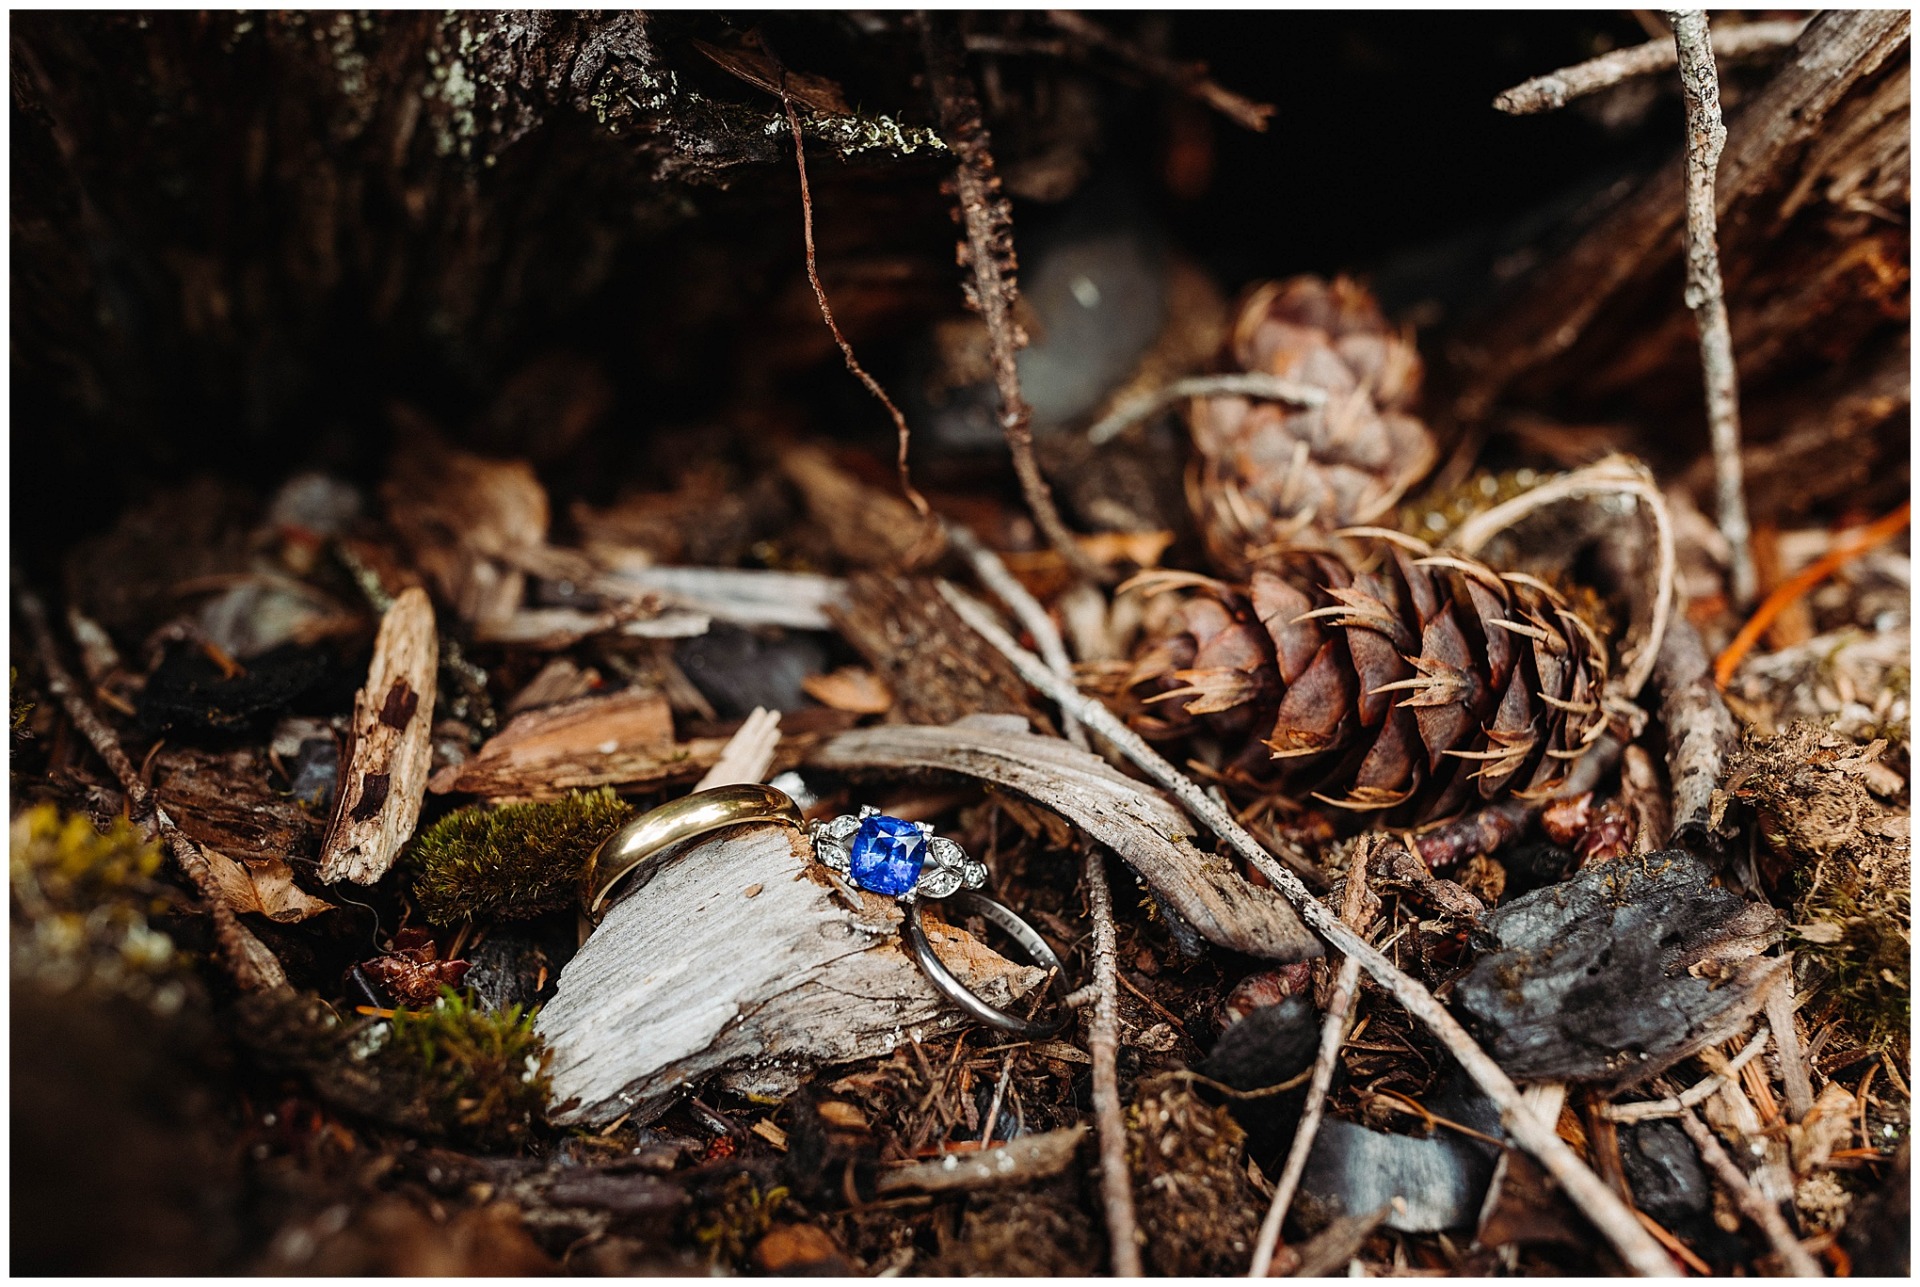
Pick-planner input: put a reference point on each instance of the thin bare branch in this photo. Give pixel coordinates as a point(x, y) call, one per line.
point(1246, 384)
point(1674, 1105)
point(1103, 1043)
point(988, 254)
point(1026, 609)
point(1752, 1203)
point(1191, 78)
point(251, 963)
point(1586, 1190)
point(1333, 1031)
point(903, 434)
point(1557, 89)
point(1706, 136)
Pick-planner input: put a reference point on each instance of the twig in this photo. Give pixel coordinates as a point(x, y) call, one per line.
point(1557, 89)
point(253, 965)
point(1246, 384)
point(1103, 1017)
point(988, 253)
point(1791, 591)
point(1588, 1193)
point(1613, 476)
point(1786, 1045)
point(826, 314)
point(1706, 136)
point(1191, 78)
point(1674, 1105)
point(1333, 1031)
point(1701, 731)
point(1751, 1202)
point(1103, 1043)
point(1026, 609)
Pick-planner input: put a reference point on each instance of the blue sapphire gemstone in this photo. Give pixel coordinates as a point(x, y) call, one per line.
point(887, 855)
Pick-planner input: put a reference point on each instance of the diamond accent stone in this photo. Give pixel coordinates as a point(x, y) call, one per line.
point(887, 855)
point(944, 853)
point(938, 882)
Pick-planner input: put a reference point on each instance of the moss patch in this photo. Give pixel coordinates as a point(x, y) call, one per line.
point(514, 862)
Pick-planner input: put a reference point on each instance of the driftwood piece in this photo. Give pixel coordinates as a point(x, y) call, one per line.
point(1020, 1161)
point(741, 596)
point(742, 960)
point(378, 801)
point(1129, 817)
point(937, 669)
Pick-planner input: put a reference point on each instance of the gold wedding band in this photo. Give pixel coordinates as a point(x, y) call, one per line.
point(641, 841)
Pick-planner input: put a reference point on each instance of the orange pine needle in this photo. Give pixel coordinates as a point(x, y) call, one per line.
point(1791, 591)
point(1673, 1244)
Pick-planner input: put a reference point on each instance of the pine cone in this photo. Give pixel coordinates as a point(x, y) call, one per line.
point(1269, 472)
point(1413, 688)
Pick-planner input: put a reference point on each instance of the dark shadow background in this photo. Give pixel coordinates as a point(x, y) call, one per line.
point(237, 240)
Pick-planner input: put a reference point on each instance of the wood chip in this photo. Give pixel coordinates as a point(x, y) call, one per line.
point(1129, 817)
point(584, 742)
point(937, 669)
point(867, 526)
point(850, 688)
point(378, 801)
point(463, 516)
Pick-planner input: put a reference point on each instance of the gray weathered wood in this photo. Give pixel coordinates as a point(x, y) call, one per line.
point(1129, 817)
point(741, 960)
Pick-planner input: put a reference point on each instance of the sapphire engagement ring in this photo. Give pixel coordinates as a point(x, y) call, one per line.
point(907, 861)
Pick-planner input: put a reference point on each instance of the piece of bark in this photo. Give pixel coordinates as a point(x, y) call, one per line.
point(227, 800)
point(378, 801)
point(1613, 976)
point(866, 526)
point(742, 960)
point(585, 742)
point(938, 670)
point(463, 516)
point(1129, 817)
point(1018, 1161)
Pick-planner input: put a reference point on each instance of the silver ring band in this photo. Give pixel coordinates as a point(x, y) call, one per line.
point(1030, 942)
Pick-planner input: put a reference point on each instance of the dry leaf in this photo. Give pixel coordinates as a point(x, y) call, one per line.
point(850, 688)
point(263, 886)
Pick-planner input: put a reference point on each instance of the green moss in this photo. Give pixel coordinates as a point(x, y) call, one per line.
point(19, 707)
point(480, 1075)
point(449, 1071)
point(1855, 947)
point(514, 862)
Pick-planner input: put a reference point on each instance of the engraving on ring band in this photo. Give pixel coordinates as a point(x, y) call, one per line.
point(894, 857)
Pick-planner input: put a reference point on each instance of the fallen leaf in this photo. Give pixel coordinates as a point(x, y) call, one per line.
point(263, 886)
